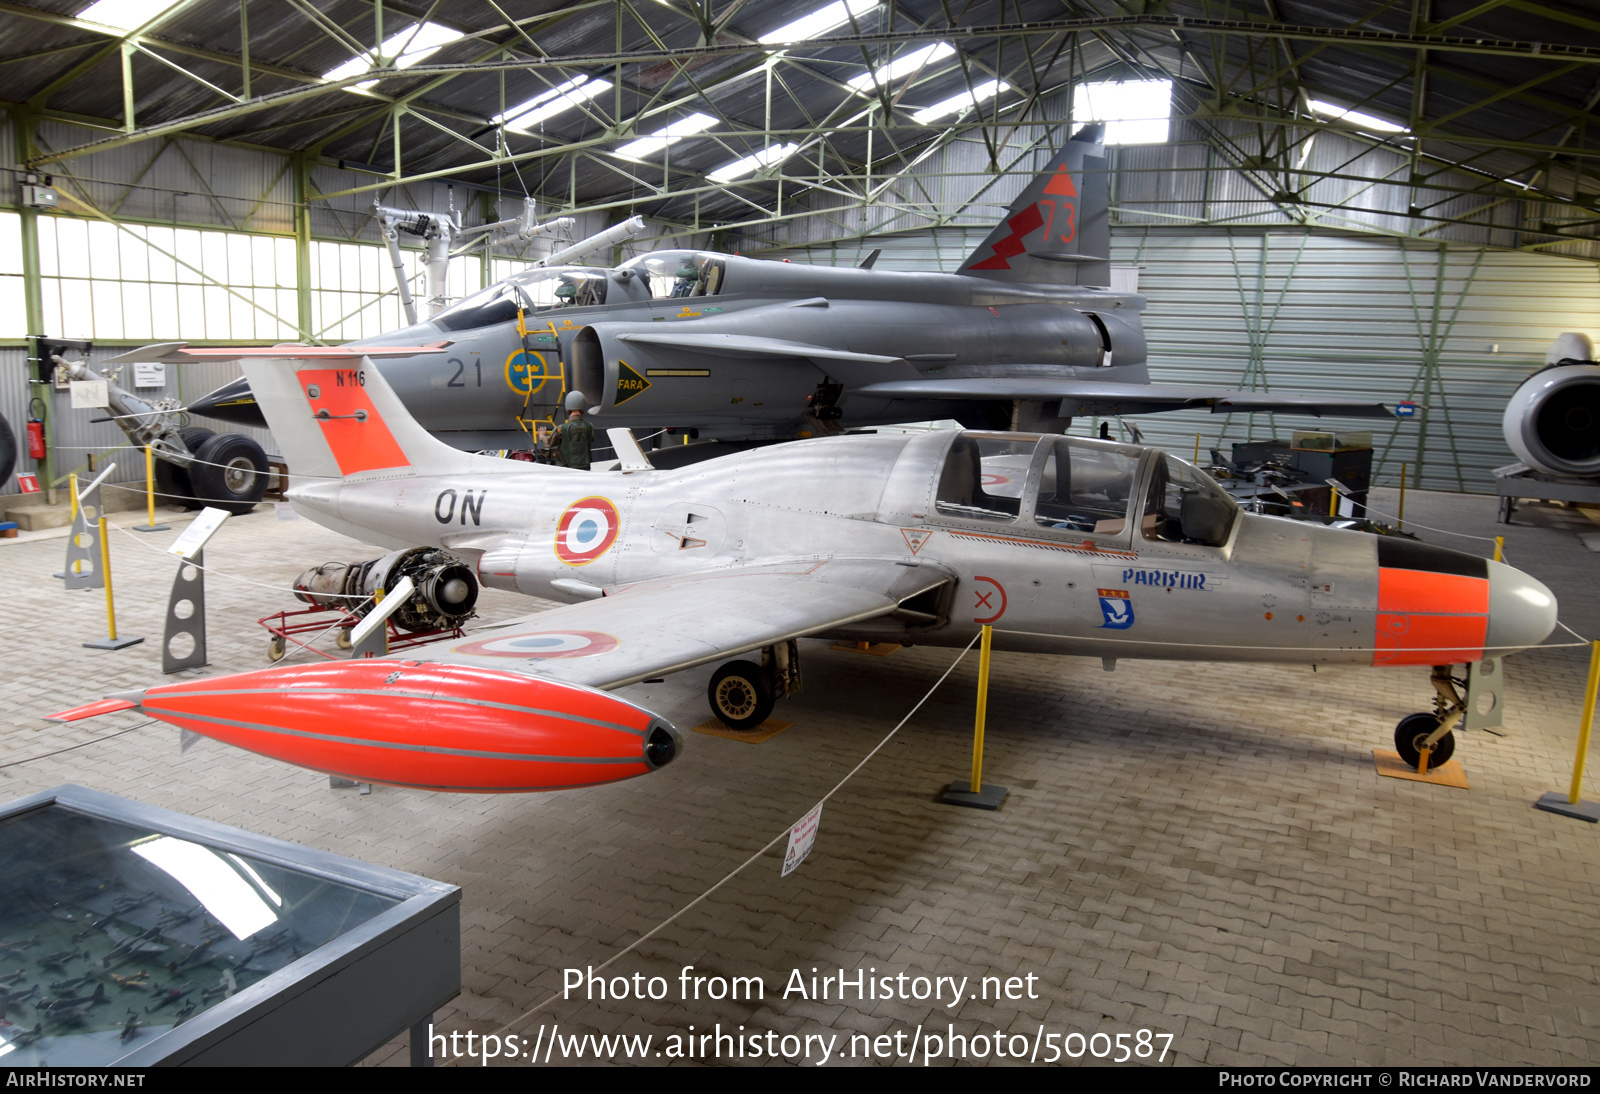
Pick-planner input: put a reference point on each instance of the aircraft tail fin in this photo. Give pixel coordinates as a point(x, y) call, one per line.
point(329, 410)
point(334, 414)
point(1058, 231)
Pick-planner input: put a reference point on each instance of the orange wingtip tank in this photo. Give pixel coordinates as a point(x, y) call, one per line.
point(416, 723)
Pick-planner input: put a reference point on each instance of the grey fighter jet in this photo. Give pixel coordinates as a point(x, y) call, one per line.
point(737, 348)
point(1064, 545)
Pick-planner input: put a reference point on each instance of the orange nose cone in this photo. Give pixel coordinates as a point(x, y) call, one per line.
point(423, 724)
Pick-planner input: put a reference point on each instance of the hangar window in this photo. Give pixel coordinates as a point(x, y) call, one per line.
point(1085, 487)
point(1184, 505)
point(983, 476)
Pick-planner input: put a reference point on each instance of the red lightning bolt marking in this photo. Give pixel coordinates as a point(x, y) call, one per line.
point(1028, 220)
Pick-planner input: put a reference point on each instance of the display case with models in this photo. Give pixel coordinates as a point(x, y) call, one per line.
point(135, 936)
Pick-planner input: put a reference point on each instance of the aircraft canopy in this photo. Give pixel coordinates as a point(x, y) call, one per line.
point(670, 274)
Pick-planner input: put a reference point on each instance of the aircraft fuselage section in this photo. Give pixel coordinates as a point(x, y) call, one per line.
point(1275, 591)
point(648, 363)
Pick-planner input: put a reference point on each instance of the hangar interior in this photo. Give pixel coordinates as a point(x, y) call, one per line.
point(1342, 198)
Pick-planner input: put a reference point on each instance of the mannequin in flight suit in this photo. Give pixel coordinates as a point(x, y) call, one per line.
point(573, 437)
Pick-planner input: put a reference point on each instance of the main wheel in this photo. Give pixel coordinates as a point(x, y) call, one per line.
point(740, 694)
point(196, 436)
point(1412, 731)
point(173, 485)
point(230, 472)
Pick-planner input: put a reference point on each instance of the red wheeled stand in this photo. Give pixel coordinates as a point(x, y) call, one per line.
point(283, 627)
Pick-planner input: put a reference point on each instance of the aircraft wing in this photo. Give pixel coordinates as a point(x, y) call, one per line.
point(746, 345)
point(657, 627)
point(1101, 397)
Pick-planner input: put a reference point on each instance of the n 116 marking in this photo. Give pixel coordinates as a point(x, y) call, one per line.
point(444, 506)
point(349, 377)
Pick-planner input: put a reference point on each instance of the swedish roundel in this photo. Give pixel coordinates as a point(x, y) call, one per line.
point(586, 531)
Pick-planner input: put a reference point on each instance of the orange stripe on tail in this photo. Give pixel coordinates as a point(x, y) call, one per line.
point(350, 423)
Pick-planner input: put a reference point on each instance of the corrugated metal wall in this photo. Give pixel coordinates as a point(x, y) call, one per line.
point(77, 437)
point(1188, 179)
point(1315, 312)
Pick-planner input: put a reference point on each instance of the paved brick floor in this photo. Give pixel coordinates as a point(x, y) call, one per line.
point(1197, 850)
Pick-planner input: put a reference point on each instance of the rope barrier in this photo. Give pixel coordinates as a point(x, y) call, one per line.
point(1574, 633)
point(1429, 527)
point(149, 546)
point(737, 870)
point(83, 744)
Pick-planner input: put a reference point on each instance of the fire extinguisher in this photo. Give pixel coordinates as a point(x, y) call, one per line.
point(35, 436)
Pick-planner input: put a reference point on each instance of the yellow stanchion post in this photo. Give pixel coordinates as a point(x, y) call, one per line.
point(974, 793)
point(1197, 450)
point(1401, 526)
point(1499, 548)
point(111, 642)
point(1569, 804)
point(1587, 725)
point(150, 524)
point(984, 646)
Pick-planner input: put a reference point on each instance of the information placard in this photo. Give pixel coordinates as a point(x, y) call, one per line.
point(801, 837)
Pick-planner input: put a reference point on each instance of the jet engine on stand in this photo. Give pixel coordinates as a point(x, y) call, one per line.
point(445, 593)
point(1552, 422)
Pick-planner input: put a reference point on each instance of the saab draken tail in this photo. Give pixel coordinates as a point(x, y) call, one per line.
point(1058, 231)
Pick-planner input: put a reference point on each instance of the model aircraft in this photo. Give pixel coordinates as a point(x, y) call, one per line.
point(1064, 545)
point(737, 348)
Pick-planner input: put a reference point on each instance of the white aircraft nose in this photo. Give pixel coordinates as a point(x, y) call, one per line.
point(1522, 611)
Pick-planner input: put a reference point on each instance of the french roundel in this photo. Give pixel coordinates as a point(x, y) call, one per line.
point(586, 531)
point(543, 644)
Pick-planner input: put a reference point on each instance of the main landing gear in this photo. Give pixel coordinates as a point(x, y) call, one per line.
point(1424, 740)
point(743, 693)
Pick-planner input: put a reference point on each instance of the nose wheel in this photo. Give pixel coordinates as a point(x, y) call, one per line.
point(1411, 735)
point(1424, 740)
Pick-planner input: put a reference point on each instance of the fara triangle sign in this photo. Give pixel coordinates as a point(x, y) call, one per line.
point(915, 538)
point(629, 383)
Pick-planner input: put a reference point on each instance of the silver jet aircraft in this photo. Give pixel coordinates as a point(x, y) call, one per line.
point(1064, 545)
point(738, 348)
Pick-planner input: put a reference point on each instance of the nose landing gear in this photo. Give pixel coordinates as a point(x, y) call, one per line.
point(1426, 740)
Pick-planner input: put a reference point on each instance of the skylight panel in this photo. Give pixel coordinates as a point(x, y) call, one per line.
point(738, 169)
point(818, 23)
point(124, 14)
point(672, 134)
point(957, 103)
point(547, 104)
point(1134, 111)
point(901, 66)
point(1354, 117)
point(419, 42)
